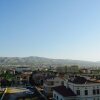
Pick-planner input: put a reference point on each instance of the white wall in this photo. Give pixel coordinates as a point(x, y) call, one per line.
point(74, 98)
point(59, 96)
point(48, 88)
point(83, 87)
point(20, 69)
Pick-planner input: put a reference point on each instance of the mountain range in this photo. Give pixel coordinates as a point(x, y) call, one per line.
point(41, 61)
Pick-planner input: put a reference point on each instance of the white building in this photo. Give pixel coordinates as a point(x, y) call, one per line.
point(79, 89)
point(49, 84)
point(23, 69)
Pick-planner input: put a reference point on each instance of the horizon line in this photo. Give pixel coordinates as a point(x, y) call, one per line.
point(46, 58)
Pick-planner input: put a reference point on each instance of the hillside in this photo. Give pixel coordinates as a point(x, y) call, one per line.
point(40, 61)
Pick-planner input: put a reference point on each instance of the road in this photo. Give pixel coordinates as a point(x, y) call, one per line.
point(14, 92)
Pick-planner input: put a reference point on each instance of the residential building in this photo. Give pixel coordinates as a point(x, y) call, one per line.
point(68, 69)
point(63, 93)
point(49, 84)
point(72, 69)
point(23, 69)
point(79, 89)
point(22, 79)
point(61, 69)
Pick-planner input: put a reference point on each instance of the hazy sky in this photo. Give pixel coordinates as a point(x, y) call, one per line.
point(50, 28)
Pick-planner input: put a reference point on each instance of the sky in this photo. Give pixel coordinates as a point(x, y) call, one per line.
point(59, 29)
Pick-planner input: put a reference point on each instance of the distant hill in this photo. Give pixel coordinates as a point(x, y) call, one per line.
point(41, 61)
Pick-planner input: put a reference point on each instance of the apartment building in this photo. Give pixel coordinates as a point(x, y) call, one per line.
point(68, 69)
point(23, 69)
point(49, 84)
point(78, 88)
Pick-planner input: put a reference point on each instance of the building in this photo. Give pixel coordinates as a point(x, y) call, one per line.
point(73, 69)
point(63, 93)
point(61, 69)
point(22, 79)
point(68, 69)
point(38, 78)
point(22, 75)
point(23, 69)
point(85, 71)
point(49, 84)
point(79, 89)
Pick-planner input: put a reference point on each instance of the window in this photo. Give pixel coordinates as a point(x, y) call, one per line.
point(50, 83)
point(98, 99)
point(78, 92)
point(62, 83)
point(94, 92)
point(97, 91)
point(54, 95)
point(86, 92)
point(51, 89)
point(57, 97)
